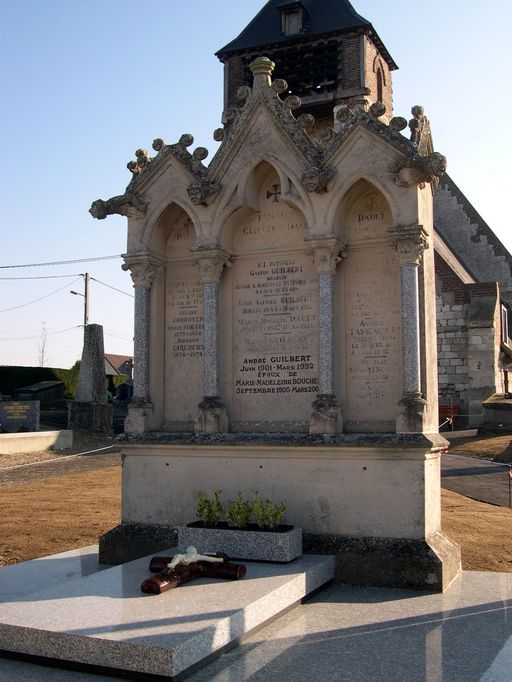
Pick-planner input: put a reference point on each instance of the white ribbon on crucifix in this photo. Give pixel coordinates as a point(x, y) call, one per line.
point(190, 557)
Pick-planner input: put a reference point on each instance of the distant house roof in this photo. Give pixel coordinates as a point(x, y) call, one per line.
point(321, 17)
point(116, 364)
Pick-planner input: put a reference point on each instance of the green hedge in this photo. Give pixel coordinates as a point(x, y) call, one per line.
point(12, 378)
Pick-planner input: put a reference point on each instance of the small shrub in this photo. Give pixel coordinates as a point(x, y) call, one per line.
point(209, 511)
point(239, 512)
point(266, 514)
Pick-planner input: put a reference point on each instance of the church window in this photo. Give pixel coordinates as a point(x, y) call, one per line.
point(379, 85)
point(291, 21)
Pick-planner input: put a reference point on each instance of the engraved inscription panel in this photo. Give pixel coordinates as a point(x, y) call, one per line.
point(275, 317)
point(372, 336)
point(372, 316)
point(183, 328)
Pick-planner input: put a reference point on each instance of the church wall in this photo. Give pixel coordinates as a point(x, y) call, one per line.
point(468, 235)
point(351, 62)
point(468, 337)
point(373, 61)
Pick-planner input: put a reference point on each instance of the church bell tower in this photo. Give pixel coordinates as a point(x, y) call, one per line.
point(327, 53)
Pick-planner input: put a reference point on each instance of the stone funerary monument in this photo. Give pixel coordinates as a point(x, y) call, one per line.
point(284, 309)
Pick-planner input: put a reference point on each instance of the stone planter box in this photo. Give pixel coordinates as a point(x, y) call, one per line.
point(252, 544)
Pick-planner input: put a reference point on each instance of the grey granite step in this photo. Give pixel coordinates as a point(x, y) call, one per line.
point(104, 620)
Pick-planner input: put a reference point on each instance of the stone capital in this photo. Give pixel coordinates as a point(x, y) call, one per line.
point(212, 262)
point(142, 270)
point(410, 242)
point(327, 252)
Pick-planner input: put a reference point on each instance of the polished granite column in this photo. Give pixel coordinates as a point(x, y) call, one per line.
point(212, 417)
point(143, 272)
point(410, 242)
point(327, 252)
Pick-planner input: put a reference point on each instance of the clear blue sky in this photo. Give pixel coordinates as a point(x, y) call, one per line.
point(86, 82)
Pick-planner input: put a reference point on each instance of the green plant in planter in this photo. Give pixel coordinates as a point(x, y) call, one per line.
point(239, 512)
point(209, 511)
point(266, 514)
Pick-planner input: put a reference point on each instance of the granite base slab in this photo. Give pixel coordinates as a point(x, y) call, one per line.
point(245, 545)
point(104, 620)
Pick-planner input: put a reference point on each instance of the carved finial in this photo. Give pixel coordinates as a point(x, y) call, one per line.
point(229, 116)
point(243, 93)
point(142, 160)
point(158, 144)
point(280, 85)
point(262, 69)
point(200, 154)
point(186, 140)
point(343, 116)
point(360, 104)
point(218, 134)
point(377, 109)
point(416, 124)
point(292, 102)
point(306, 122)
point(421, 136)
point(326, 134)
point(398, 123)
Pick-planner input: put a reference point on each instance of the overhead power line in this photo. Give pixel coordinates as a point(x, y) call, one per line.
point(116, 336)
point(28, 338)
point(60, 262)
point(114, 288)
point(41, 298)
point(44, 277)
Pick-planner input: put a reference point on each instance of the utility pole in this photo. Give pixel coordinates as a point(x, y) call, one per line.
point(86, 299)
point(85, 296)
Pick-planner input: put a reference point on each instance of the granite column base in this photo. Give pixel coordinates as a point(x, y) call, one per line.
point(90, 416)
point(411, 413)
point(429, 564)
point(326, 416)
point(140, 413)
point(212, 417)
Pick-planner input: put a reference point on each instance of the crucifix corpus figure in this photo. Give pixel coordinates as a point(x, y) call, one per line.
point(182, 568)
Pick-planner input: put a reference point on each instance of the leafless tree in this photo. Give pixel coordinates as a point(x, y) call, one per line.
point(42, 347)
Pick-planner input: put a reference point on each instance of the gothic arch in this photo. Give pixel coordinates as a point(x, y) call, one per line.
point(250, 190)
point(157, 231)
point(348, 193)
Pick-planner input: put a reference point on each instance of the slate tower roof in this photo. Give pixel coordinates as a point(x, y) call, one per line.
point(323, 49)
point(321, 17)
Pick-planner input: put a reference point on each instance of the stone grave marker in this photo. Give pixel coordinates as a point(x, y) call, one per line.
point(19, 416)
